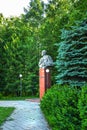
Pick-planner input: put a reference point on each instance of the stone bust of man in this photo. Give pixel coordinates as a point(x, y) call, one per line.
point(46, 60)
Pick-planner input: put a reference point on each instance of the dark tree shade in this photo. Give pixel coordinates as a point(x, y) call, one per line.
point(72, 56)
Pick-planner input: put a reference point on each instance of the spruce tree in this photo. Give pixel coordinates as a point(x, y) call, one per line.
point(71, 61)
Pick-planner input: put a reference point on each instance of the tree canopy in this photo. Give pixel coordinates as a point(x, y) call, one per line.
point(23, 38)
point(72, 56)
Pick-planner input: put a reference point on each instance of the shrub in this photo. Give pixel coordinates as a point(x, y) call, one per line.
point(82, 106)
point(60, 108)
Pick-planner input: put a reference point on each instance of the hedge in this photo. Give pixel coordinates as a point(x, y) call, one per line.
point(65, 107)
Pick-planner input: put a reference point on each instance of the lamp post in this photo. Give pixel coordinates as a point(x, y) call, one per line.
point(48, 80)
point(20, 76)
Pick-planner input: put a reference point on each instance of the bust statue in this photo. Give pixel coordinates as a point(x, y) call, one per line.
point(46, 60)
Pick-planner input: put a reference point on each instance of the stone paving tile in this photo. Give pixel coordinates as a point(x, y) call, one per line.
point(26, 116)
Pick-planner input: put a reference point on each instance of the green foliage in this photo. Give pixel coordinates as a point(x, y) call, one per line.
point(22, 39)
point(59, 14)
point(60, 108)
point(82, 106)
point(16, 98)
point(1, 96)
point(65, 107)
point(34, 13)
point(71, 60)
point(4, 113)
point(19, 57)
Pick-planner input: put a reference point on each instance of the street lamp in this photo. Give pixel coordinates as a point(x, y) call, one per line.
point(47, 70)
point(20, 76)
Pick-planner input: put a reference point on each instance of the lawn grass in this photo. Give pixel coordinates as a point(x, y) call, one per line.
point(17, 98)
point(4, 113)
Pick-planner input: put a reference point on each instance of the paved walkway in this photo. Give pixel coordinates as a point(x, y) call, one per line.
point(26, 116)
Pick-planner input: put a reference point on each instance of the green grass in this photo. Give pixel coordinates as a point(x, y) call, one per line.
point(17, 98)
point(4, 113)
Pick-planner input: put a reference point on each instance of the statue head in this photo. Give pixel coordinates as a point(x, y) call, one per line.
point(43, 52)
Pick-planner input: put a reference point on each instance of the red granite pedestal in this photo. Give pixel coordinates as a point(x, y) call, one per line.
point(44, 80)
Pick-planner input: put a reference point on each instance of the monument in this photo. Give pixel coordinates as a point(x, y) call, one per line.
point(44, 72)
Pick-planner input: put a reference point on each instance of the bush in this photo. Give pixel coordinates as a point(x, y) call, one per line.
point(60, 108)
point(82, 106)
